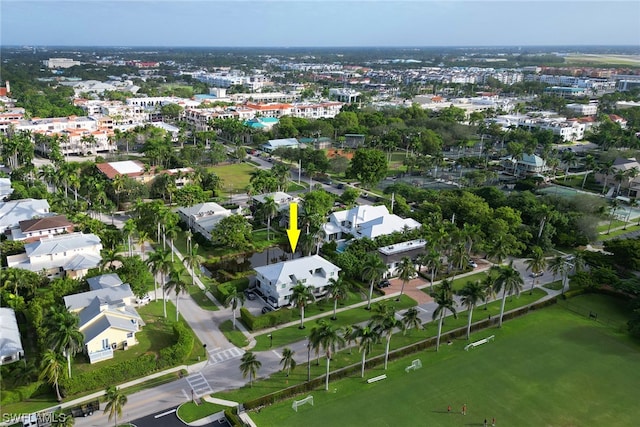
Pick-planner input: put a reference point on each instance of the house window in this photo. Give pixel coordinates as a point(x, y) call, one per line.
point(130, 335)
point(105, 343)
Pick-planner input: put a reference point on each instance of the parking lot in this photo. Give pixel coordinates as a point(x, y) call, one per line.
point(256, 305)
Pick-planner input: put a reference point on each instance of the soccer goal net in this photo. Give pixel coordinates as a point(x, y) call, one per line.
point(296, 403)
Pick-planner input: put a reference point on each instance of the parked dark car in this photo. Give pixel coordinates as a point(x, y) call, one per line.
point(266, 309)
point(384, 284)
point(250, 295)
point(340, 186)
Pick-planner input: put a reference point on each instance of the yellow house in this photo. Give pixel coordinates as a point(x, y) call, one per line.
point(108, 320)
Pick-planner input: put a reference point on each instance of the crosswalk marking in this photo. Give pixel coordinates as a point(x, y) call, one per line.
point(199, 385)
point(218, 356)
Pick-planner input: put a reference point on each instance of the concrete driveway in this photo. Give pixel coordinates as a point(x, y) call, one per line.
point(411, 289)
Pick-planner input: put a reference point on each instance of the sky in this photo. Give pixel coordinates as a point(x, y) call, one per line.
point(318, 23)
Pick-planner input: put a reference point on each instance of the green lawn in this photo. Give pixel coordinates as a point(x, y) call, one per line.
point(235, 336)
point(293, 333)
point(459, 282)
point(190, 412)
point(620, 232)
point(235, 177)
point(201, 299)
point(603, 227)
point(551, 367)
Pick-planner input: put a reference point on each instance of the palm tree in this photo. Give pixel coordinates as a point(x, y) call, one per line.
point(488, 285)
point(536, 264)
point(385, 321)
point(129, 230)
point(269, 209)
point(330, 339)
point(234, 299)
point(160, 263)
point(348, 335)
point(288, 362)
point(444, 298)
point(52, 369)
point(143, 237)
point(406, 271)
point(249, 365)
point(509, 281)
point(372, 271)
point(338, 290)
point(193, 260)
point(60, 419)
point(116, 400)
point(63, 334)
point(431, 260)
point(410, 320)
point(177, 283)
point(367, 337)
point(614, 207)
point(471, 294)
point(300, 295)
point(559, 267)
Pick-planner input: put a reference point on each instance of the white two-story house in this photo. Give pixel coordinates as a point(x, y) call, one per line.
point(275, 281)
point(70, 255)
point(365, 221)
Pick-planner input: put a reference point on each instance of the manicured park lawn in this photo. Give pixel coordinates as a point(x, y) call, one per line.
point(235, 177)
point(551, 367)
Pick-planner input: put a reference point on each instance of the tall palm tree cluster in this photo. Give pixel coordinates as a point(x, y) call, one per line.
point(326, 338)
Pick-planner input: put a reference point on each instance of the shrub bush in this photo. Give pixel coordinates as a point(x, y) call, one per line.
point(21, 393)
point(272, 318)
point(178, 352)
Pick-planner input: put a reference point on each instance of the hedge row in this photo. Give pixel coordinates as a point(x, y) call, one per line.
point(393, 355)
point(270, 319)
point(22, 393)
point(232, 417)
point(126, 370)
point(223, 290)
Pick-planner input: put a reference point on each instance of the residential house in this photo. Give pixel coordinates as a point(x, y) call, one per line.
point(31, 230)
point(71, 255)
point(365, 221)
point(11, 349)
point(393, 254)
point(273, 144)
point(203, 217)
point(629, 169)
point(104, 281)
point(108, 320)
point(281, 199)
point(275, 281)
point(182, 176)
point(134, 169)
point(14, 211)
point(529, 164)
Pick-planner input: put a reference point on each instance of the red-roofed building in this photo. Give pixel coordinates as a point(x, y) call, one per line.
point(32, 230)
point(619, 120)
point(131, 168)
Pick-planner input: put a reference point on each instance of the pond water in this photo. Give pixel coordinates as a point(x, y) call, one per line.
point(247, 262)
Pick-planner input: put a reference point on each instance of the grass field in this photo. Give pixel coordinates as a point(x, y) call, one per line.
point(234, 177)
point(633, 60)
point(549, 368)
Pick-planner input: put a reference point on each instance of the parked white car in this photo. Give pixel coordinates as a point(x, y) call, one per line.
point(144, 300)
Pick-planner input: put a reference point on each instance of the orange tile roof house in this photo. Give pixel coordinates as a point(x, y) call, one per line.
point(131, 168)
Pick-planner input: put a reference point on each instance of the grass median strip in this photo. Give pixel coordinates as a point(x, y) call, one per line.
point(293, 333)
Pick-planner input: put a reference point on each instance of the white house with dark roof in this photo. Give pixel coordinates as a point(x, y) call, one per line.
point(11, 349)
point(34, 229)
point(365, 221)
point(69, 254)
point(203, 217)
point(108, 320)
point(275, 281)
